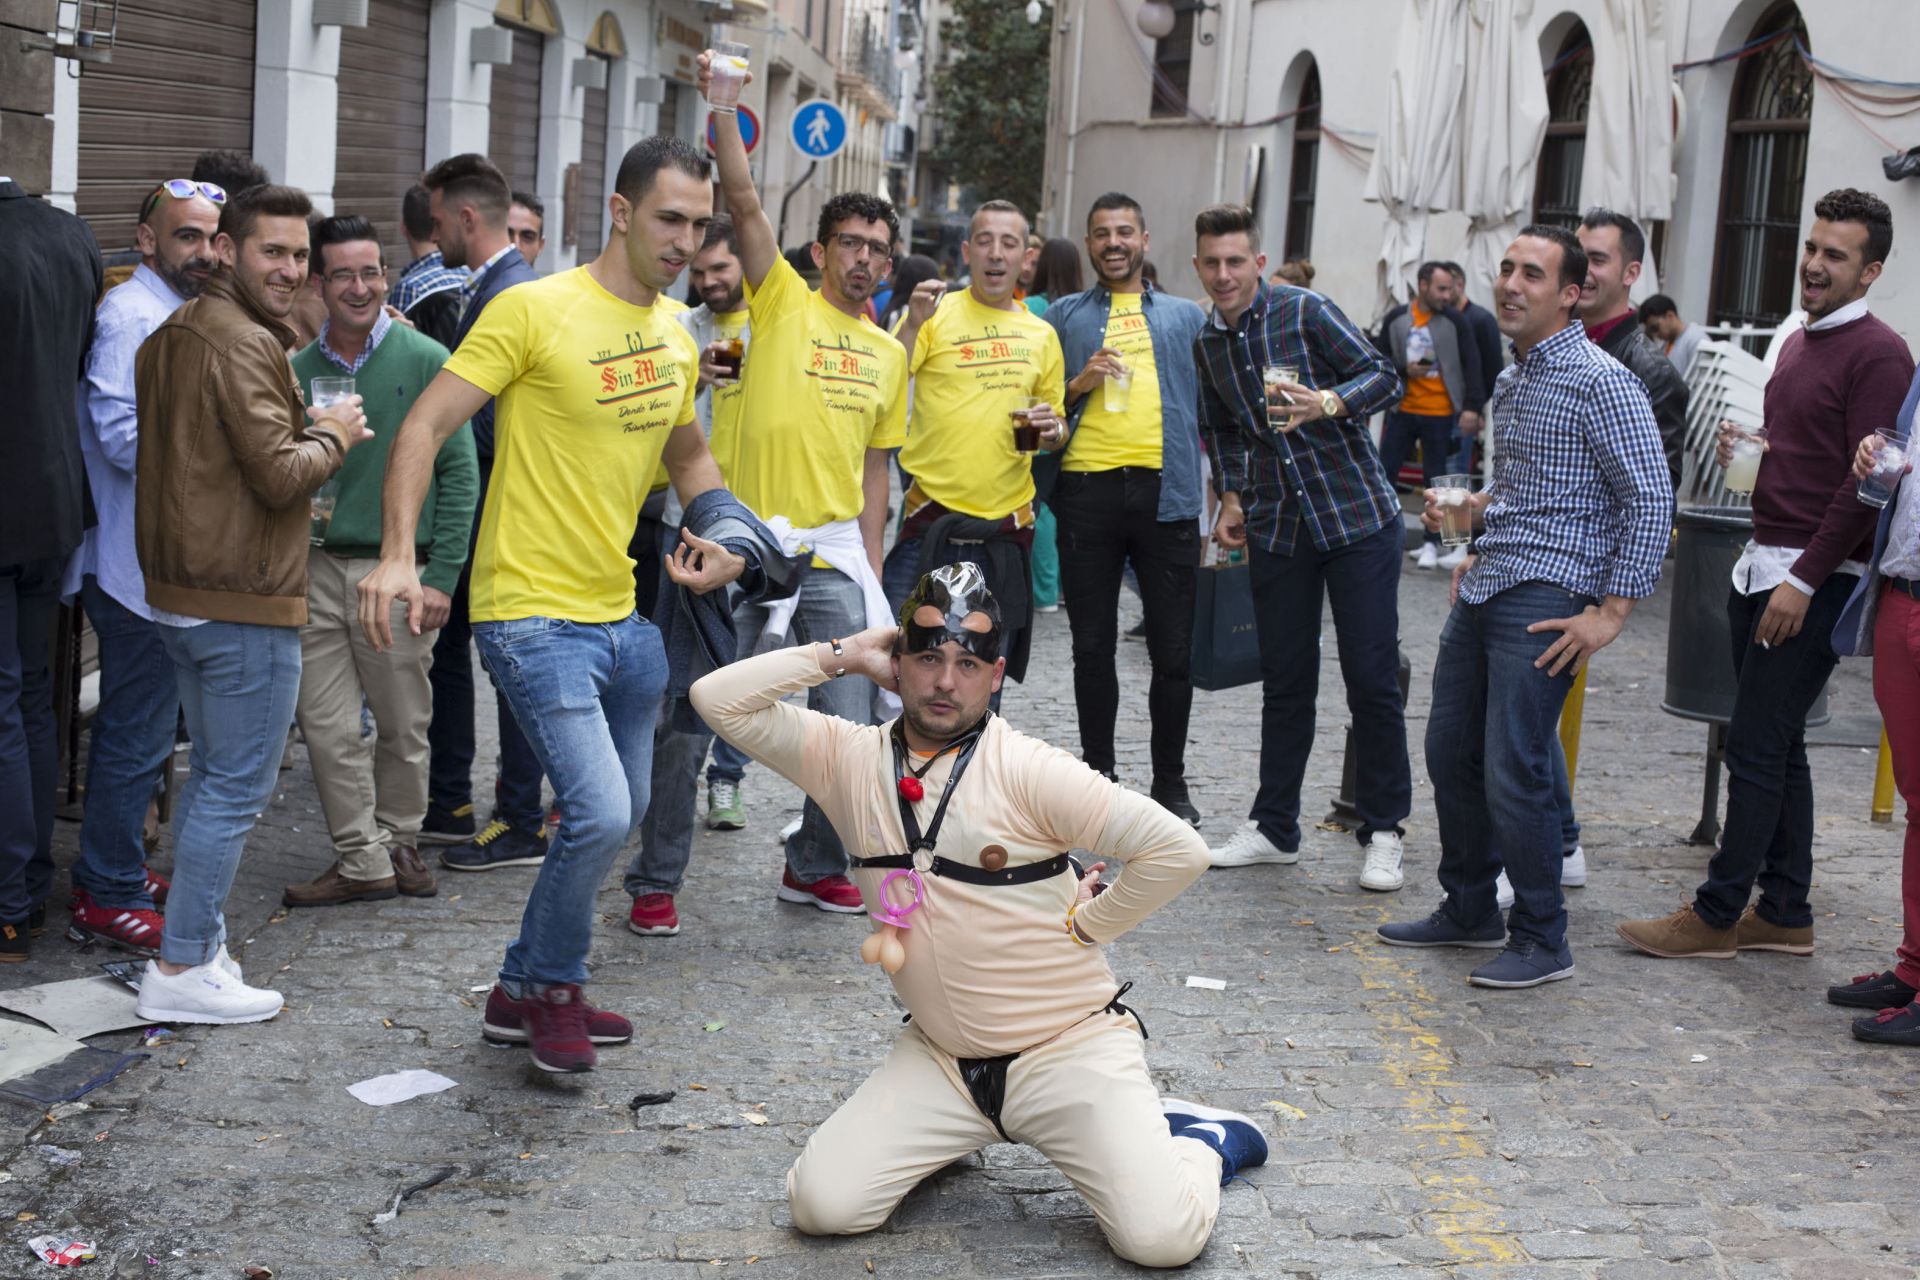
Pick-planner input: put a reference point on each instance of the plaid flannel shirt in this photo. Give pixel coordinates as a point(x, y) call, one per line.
point(1325, 475)
point(1581, 496)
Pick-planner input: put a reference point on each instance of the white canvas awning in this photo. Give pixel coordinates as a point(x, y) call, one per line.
point(1504, 120)
point(1629, 157)
point(1416, 163)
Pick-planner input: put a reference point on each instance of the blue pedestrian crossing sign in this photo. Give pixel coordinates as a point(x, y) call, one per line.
point(819, 129)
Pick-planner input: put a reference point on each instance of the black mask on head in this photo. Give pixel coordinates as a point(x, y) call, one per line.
point(958, 594)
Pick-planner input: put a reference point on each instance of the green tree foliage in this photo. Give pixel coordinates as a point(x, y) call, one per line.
point(990, 96)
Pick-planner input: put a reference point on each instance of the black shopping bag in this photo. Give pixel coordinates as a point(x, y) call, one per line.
point(1226, 645)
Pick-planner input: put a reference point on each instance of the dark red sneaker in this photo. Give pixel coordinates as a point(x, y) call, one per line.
point(653, 915)
point(159, 887)
point(557, 1029)
point(829, 893)
point(506, 1021)
point(125, 927)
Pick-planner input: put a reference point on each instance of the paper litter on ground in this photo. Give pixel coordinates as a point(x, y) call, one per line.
point(1208, 984)
point(25, 1048)
point(78, 1007)
point(399, 1086)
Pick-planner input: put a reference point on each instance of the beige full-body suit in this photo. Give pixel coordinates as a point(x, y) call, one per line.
point(990, 970)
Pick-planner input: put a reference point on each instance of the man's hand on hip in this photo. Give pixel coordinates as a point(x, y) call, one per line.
point(1581, 636)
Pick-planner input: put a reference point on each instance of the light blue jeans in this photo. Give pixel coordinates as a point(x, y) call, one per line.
point(586, 695)
point(237, 683)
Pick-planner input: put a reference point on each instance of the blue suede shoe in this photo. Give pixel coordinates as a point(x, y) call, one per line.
point(1524, 964)
point(1235, 1137)
point(1439, 930)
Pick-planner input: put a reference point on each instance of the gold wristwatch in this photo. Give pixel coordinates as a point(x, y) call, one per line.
point(1330, 406)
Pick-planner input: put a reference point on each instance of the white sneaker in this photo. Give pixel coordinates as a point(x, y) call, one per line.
point(204, 993)
point(1453, 559)
point(1381, 871)
point(1248, 847)
point(1428, 557)
point(1573, 868)
point(228, 963)
point(1573, 875)
point(788, 832)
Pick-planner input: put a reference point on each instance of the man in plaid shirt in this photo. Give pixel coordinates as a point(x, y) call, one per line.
point(1575, 526)
point(1302, 488)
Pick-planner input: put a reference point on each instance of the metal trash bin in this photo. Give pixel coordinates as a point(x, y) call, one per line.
point(1700, 680)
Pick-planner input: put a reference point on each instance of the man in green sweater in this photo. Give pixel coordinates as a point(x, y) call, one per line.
point(373, 789)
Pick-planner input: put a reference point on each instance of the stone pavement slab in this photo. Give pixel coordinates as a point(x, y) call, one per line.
point(1422, 1128)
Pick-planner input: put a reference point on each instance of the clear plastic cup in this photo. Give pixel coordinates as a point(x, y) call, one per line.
point(323, 501)
point(330, 391)
point(1743, 470)
point(1454, 495)
point(1117, 391)
point(729, 75)
point(1879, 485)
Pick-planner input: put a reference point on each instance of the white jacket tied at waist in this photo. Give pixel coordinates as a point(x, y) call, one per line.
point(841, 546)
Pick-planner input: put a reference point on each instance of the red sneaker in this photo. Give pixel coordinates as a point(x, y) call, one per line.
point(829, 893)
point(158, 886)
point(506, 1021)
point(556, 1021)
point(653, 915)
point(124, 927)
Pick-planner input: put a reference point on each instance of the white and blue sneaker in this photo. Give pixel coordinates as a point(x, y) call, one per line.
point(1235, 1137)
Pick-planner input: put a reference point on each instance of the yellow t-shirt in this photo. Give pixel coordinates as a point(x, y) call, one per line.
point(1106, 440)
point(972, 366)
point(588, 389)
point(819, 388)
point(1426, 396)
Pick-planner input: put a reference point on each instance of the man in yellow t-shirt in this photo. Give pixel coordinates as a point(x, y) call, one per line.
point(1129, 489)
point(823, 402)
point(977, 358)
point(594, 386)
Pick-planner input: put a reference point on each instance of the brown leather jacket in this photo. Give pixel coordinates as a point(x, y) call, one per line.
point(227, 461)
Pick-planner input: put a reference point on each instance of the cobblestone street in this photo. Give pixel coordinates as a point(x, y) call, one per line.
point(1646, 1119)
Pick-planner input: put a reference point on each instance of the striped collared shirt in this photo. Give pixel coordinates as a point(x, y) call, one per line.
point(1325, 475)
point(425, 276)
point(1581, 496)
point(353, 366)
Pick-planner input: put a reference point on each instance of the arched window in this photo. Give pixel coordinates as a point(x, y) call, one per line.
point(1556, 190)
point(1306, 169)
point(1764, 183)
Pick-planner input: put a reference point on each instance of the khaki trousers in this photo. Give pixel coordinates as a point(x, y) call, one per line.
point(1083, 1100)
point(373, 793)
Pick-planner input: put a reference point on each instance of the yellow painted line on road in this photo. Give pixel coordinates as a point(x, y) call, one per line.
point(1416, 1062)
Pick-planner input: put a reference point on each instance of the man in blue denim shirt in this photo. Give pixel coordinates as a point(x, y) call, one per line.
point(1576, 525)
point(1127, 487)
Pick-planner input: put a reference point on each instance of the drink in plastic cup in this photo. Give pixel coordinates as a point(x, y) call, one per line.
point(1117, 390)
point(1743, 472)
point(323, 500)
point(729, 75)
point(1453, 493)
point(1889, 464)
point(1272, 376)
point(728, 353)
point(330, 391)
point(1026, 436)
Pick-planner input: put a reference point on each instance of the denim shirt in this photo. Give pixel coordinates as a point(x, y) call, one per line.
point(1172, 324)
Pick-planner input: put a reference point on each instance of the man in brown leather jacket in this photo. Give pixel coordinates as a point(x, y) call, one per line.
point(227, 464)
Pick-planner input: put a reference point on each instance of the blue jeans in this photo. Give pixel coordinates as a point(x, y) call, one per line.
point(238, 683)
point(587, 695)
point(1363, 581)
point(132, 739)
point(1769, 831)
point(1490, 739)
point(831, 604)
point(729, 763)
point(29, 594)
point(1435, 435)
point(666, 834)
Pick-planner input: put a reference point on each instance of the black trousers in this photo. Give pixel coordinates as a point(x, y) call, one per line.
point(1106, 519)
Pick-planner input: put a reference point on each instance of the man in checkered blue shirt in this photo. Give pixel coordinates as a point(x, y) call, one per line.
point(1576, 523)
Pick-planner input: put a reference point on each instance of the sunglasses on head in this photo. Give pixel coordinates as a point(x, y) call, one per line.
point(184, 189)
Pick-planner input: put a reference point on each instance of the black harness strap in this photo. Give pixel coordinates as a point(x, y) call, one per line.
point(966, 873)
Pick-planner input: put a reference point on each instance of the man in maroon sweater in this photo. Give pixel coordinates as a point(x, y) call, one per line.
point(1836, 380)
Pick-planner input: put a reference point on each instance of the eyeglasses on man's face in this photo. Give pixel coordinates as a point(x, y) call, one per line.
point(853, 244)
point(343, 277)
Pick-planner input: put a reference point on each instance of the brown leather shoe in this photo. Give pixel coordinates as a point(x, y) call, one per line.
point(1680, 936)
point(1751, 933)
point(411, 873)
point(332, 889)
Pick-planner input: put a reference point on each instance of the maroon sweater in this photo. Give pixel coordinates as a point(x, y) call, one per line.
point(1830, 388)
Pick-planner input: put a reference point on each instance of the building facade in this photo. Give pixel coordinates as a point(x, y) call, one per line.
point(352, 99)
point(1278, 103)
